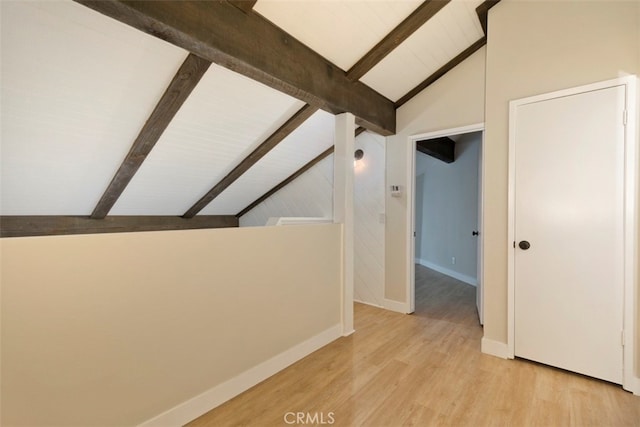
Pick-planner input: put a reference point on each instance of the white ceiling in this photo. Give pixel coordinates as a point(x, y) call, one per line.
point(442, 38)
point(223, 120)
point(77, 87)
point(313, 137)
point(341, 31)
point(344, 31)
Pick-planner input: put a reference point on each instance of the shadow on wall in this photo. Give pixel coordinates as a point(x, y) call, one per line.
point(447, 210)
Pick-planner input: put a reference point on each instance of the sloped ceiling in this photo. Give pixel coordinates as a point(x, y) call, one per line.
point(225, 118)
point(438, 41)
point(344, 31)
point(77, 88)
point(341, 31)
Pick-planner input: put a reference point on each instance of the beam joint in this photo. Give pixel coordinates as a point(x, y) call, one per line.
point(250, 45)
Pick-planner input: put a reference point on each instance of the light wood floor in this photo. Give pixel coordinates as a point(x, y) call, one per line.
point(426, 369)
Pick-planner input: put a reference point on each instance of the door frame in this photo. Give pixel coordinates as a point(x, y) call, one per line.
point(411, 208)
point(630, 221)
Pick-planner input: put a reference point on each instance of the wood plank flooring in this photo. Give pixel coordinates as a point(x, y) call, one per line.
point(425, 369)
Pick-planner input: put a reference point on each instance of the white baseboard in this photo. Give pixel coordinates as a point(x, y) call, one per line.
point(368, 303)
point(347, 333)
point(400, 307)
point(636, 387)
point(459, 276)
point(494, 348)
point(203, 403)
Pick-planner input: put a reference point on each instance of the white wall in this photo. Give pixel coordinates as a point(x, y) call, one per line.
point(369, 226)
point(447, 210)
point(455, 100)
point(311, 194)
point(115, 329)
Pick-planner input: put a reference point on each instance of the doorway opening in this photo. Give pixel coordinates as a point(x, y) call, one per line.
point(445, 254)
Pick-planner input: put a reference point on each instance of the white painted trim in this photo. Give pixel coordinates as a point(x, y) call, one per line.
point(397, 306)
point(480, 260)
point(347, 333)
point(411, 228)
point(494, 348)
point(411, 196)
point(630, 381)
point(448, 132)
point(367, 303)
point(458, 276)
point(511, 232)
point(632, 157)
point(210, 399)
point(297, 220)
point(343, 210)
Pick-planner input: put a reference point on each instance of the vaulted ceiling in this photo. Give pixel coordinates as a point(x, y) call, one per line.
point(184, 110)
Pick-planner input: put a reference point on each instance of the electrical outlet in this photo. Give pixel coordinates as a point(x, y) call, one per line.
point(453, 260)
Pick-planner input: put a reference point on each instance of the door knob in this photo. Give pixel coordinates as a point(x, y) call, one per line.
point(524, 245)
point(474, 233)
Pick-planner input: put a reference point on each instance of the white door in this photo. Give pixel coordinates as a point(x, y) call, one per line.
point(478, 233)
point(569, 201)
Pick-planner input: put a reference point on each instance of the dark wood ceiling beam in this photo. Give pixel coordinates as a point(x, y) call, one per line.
point(249, 44)
point(287, 180)
point(441, 71)
point(359, 130)
point(179, 89)
point(442, 148)
point(244, 5)
point(418, 17)
point(483, 13)
point(292, 124)
point(22, 226)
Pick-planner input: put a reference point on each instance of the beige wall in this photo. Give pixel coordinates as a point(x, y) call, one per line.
point(533, 47)
point(537, 47)
point(114, 329)
point(455, 100)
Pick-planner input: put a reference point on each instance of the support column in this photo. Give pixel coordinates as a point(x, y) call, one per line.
point(344, 143)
